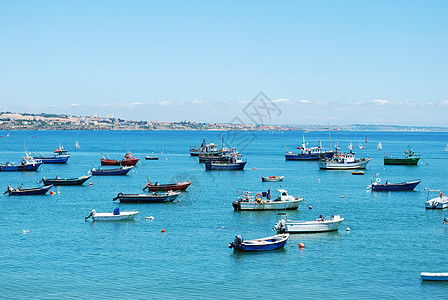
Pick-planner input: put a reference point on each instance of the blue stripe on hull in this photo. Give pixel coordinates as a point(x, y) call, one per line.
point(261, 247)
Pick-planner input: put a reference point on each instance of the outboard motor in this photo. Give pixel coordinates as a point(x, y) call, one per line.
point(237, 242)
point(280, 226)
point(91, 214)
point(236, 205)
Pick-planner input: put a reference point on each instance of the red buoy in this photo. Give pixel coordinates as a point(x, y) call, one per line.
point(310, 207)
point(163, 230)
point(301, 245)
point(90, 183)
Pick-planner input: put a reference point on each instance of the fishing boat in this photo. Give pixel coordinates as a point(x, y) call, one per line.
point(178, 186)
point(128, 160)
point(218, 156)
point(343, 161)
point(151, 157)
point(117, 215)
point(58, 158)
point(321, 224)
point(410, 158)
point(60, 150)
point(380, 146)
point(361, 146)
point(204, 148)
point(123, 170)
point(147, 198)
point(267, 243)
point(262, 201)
point(27, 164)
point(440, 202)
point(272, 178)
point(66, 181)
point(388, 186)
point(233, 162)
point(434, 276)
point(31, 191)
point(309, 153)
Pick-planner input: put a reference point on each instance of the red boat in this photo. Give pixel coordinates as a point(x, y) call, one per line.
point(178, 186)
point(128, 160)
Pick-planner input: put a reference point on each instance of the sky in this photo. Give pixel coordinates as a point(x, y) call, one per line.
point(317, 62)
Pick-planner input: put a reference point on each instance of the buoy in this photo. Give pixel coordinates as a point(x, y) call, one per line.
point(149, 218)
point(59, 192)
point(163, 230)
point(51, 192)
point(348, 228)
point(178, 200)
point(24, 231)
point(301, 245)
point(342, 196)
point(90, 183)
point(318, 180)
point(254, 168)
point(310, 207)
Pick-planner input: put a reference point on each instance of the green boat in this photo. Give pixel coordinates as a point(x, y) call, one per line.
point(410, 158)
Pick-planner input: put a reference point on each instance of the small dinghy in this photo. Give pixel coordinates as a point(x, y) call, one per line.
point(147, 198)
point(263, 244)
point(151, 157)
point(321, 224)
point(123, 170)
point(66, 181)
point(388, 186)
point(32, 191)
point(117, 215)
point(434, 276)
point(440, 202)
point(178, 186)
point(358, 173)
point(272, 178)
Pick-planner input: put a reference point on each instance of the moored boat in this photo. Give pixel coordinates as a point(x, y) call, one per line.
point(410, 159)
point(27, 164)
point(440, 202)
point(147, 198)
point(358, 172)
point(128, 160)
point(380, 146)
point(233, 162)
point(321, 224)
point(66, 181)
point(255, 201)
point(117, 215)
point(178, 186)
point(123, 170)
point(434, 276)
point(262, 244)
point(388, 186)
point(309, 153)
point(272, 178)
point(31, 191)
point(59, 158)
point(343, 161)
point(204, 148)
point(151, 157)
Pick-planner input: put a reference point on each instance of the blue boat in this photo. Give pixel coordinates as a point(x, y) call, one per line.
point(117, 171)
point(309, 153)
point(32, 191)
point(267, 243)
point(55, 159)
point(233, 162)
point(26, 165)
point(387, 186)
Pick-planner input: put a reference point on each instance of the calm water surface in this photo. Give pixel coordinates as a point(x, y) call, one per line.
point(392, 238)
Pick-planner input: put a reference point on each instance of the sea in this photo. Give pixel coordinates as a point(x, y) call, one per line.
point(49, 251)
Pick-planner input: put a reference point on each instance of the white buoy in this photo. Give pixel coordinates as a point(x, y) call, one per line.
point(348, 228)
point(59, 192)
point(24, 231)
point(149, 218)
point(318, 180)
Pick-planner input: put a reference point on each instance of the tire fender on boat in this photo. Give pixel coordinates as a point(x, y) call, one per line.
point(378, 180)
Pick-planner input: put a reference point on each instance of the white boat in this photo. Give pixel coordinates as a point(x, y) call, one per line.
point(446, 148)
point(440, 202)
point(380, 146)
point(319, 225)
point(344, 161)
point(77, 145)
point(434, 276)
point(272, 178)
point(262, 201)
point(361, 146)
point(350, 147)
point(117, 215)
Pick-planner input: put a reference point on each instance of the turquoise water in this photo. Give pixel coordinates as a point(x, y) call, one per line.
point(392, 238)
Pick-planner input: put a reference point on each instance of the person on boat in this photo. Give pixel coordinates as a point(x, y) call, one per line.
point(247, 196)
point(268, 196)
point(321, 218)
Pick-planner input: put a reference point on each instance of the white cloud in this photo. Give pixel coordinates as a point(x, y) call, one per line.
point(280, 100)
point(444, 103)
point(304, 101)
point(165, 103)
point(199, 102)
point(74, 105)
point(381, 101)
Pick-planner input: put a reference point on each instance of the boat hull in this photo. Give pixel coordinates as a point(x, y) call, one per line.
point(181, 186)
point(27, 192)
point(437, 203)
point(313, 226)
point(21, 167)
point(109, 172)
point(265, 244)
point(267, 205)
point(274, 179)
point(411, 161)
point(330, 165)
point(209, 166)
point(123, 162)
point(402, 186)
point(66, 181)
point(146, 198)
point(300, 156)
point(123, 216)
point(434, 276)
point(58, 159)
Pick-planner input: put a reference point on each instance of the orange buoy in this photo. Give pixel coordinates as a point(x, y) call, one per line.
point(178, 200)
point(301, 245)
point(254, 168)
point(90, 183)
point(310, 207)
point(163, 230)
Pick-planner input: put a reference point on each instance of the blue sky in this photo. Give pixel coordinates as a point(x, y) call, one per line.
point(338, 62)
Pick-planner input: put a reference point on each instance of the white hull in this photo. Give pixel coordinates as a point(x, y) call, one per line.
point(332, 165)
point(434, 276)
point(437, 203)
point(123, 216)
point(313, 226)
point(270, 205)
